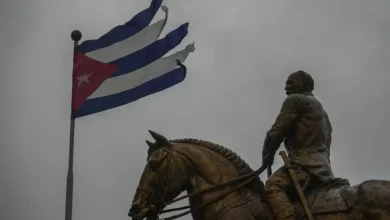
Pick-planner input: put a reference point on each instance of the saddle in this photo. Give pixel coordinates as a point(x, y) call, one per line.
point(335, 195)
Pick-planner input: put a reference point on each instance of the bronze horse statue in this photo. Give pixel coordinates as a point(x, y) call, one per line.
point(220, 185)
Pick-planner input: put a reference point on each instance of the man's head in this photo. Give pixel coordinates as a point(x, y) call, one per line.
point(299, 82)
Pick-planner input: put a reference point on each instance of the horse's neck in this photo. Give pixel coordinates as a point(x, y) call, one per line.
point(210, 211)
point(210, 169)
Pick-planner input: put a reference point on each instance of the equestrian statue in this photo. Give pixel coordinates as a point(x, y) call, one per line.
point(221, 186)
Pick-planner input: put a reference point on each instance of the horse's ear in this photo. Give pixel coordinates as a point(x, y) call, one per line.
point(150, 144)
point(160, 140)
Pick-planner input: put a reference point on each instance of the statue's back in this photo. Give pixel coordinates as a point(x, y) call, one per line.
point(308, 144)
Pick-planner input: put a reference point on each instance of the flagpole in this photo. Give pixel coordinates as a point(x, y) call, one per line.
point(76, 37)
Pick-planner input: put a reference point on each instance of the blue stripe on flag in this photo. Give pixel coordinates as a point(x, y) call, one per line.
point(158, 84)
point(150, 53)
point(121, 32)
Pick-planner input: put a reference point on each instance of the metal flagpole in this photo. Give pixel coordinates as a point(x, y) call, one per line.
point(76, 37)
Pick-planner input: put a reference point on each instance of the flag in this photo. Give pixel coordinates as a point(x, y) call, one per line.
point(127, 63)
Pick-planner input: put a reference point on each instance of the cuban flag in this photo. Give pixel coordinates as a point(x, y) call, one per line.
point(127, 63)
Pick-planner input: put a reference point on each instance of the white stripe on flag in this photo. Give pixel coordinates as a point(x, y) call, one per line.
point(132, 44)
point(138, 77)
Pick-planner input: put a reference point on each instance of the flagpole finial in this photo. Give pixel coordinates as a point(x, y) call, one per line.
point(76, 35)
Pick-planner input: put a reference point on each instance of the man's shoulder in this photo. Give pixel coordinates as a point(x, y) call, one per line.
point(295, 98)
point(301, 100)
point(302, 97)
point(293, 101)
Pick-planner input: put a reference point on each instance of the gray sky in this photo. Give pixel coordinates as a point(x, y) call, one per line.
point(231, 96)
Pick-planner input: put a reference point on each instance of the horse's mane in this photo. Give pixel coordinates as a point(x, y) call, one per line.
point(241, 166)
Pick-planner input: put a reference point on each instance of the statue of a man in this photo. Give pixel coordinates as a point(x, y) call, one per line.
point(304, 127)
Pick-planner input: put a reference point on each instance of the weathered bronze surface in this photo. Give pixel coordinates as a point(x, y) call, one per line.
point(297, 185)
point(195, 165)
point(304, 127)
point(220, 185)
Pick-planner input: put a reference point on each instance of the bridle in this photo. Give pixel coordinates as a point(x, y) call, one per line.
point(155, 195)
point(247, 177)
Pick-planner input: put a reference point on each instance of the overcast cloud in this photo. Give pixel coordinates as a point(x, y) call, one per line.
point(233, 91)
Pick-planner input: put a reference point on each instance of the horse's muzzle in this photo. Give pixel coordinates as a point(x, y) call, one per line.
point(135, 212)
point(138, 213)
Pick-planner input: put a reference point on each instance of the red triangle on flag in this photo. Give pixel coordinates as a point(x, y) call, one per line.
point(88, 75)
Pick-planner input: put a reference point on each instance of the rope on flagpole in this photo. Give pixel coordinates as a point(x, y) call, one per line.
point(76, 37)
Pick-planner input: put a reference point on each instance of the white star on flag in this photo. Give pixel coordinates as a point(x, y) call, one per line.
point(83, 78)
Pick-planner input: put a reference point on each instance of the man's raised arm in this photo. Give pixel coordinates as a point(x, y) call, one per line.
point(286, 119)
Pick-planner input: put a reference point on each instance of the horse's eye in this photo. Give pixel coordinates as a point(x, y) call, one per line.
point(153, 164)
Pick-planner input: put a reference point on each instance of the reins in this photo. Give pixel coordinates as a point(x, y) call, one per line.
point(251, 177)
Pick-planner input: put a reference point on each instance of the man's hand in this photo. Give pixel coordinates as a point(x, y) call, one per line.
point(268, 158)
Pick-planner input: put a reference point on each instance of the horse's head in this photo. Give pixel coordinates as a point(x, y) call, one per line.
point(161, 181)
point(204, 169)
